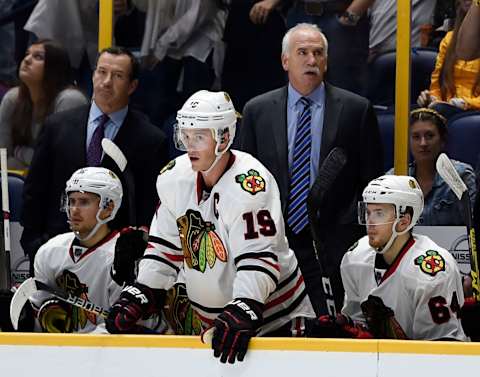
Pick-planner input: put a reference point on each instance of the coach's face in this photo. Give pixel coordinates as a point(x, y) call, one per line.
point(112, 84)
point(306, 60)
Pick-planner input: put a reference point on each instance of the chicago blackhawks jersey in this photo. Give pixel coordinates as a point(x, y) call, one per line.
point(83, 272)
point(230, 242)
point(422, 286)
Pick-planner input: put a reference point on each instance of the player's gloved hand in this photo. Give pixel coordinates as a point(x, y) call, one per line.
point(136, 302)
point(234, 327)
point(341, 326)
point(381, 319)
point(55, 316)
point(129, 247)
point(470, 313)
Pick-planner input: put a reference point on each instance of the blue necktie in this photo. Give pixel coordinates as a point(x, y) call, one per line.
point(94, 151)
point(297, 217)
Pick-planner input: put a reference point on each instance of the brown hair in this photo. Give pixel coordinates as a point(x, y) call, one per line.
point(424, 114)
point(56, 77)
point(446, 79)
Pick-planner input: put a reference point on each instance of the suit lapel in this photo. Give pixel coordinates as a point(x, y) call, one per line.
point(78, 131)
point(279, 132)
point(333, 108)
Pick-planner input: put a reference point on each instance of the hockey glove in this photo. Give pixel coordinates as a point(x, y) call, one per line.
point(234, 327)
point(339, 327)
point(469, 315)
point(129, 247)
point(55, 316)
point(381, 319)
point(136, 302)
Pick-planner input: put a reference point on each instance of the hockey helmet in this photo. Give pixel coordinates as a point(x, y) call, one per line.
point(100, 181)
point(206, 110)
point(400, 191)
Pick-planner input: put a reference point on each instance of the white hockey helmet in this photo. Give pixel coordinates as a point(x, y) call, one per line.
point(99, 181)
point(399, 190)
point(207, 110)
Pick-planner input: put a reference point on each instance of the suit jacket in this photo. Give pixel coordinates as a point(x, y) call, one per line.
point(61, 150)
point(350, 123)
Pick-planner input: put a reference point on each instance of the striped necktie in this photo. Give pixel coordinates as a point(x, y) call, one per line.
point(297, 217)
point(94, 151)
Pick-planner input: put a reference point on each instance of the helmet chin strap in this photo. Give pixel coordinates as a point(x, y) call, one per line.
point(99, 223)
point(382, 250)
point(218, 155)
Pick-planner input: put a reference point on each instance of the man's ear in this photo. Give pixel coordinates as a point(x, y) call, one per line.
point(404, 222)
point(107, 211)
point(132, 86)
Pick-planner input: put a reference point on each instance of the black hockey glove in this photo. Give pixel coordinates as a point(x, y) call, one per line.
point(381, 319)
point(470, 315)
point(234, 327)
point(340, 327)
point(129, 247)
point(55, 316)
point(136, 302)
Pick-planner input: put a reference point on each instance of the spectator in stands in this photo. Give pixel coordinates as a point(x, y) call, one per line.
point(455, 83)
point(428, 136)
point(45, 88)
point(71, 140)
point(468, 45)
point(270, 125)
point(383, 24)
point(181, 50)
point(346, 23)
point(253, 35)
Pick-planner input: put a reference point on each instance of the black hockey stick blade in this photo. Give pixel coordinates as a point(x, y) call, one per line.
point(328, 172)
point(30, 286)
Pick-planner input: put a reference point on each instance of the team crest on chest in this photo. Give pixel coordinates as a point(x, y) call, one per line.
point(169, 166)
point(70, 283)
point(200, 243)
point(431, 263)
point(251, 182)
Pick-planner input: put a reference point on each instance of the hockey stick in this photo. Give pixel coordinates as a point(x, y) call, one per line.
point(113, 151)
point(450, 175)
point(328, 173)
point(6, 217)
point(30, 286)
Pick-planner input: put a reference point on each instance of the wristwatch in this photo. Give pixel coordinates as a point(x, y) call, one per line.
point(352, 18)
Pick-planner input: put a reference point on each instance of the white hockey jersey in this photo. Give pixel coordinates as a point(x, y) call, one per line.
point(230, 242)
point(422, 286)
point(80, 271)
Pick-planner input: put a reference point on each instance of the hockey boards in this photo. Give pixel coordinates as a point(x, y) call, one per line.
point(450, 175)
point(328, 173)
point(30, 286)
point(114, 152)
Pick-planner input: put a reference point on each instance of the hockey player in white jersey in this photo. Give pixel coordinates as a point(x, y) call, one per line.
point(92, 262)
point(399, 284)
point(219, 219)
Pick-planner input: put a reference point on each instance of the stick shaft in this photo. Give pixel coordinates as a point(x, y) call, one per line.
point(6, 215)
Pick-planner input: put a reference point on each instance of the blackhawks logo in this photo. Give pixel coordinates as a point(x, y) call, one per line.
point(70, 283)
point(431, 263)
point(169, 166)
point(200, 243)
point(251, 182)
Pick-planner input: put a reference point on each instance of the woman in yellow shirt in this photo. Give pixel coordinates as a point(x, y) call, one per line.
point(455, 83)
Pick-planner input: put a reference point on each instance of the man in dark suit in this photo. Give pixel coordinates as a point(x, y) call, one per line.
point(71, 140)
point(337, 118)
